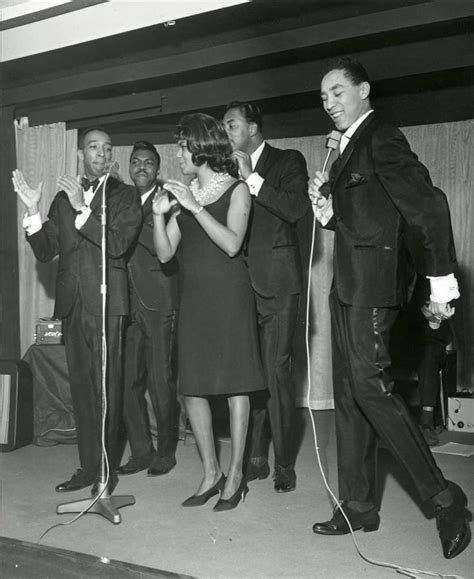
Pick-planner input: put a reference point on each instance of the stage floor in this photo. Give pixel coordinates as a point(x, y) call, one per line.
point(267, 536)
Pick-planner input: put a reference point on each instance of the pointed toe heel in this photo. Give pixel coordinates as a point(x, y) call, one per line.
point(199, 500)
point(229, 504)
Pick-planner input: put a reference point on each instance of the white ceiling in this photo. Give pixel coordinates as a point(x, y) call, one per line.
point(97, 21)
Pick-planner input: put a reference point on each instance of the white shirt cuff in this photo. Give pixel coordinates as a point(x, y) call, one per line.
point(82, 218)
point(444, 288)
point(32, 223)
point(255, 182)
point(325, 214)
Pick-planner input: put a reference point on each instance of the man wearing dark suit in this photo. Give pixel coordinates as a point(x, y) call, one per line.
point(150, 341)
point(278, 182)
point(388, 220)
point(73, 232)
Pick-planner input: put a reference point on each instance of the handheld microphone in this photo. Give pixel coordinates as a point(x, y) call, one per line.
point(332, 141)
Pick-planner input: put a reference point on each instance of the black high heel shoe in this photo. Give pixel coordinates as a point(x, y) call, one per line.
point(198, 500)
point(228, 504)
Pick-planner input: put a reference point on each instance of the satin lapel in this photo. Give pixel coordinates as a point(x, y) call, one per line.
point(261, 166)
point(344, 158)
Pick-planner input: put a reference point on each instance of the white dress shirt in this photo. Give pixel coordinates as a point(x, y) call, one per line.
point(254, 180)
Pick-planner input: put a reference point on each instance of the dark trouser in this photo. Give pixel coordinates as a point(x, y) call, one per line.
point(149, 358)
point(432, 359)
point(276, 322)
point(366, 411)
point(82, 338)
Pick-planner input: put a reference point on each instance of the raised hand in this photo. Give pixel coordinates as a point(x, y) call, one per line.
point(29, 196)
point(73, 189)
point(316, 190)
point(162, 204)
point(245, 163)
point(183, 195)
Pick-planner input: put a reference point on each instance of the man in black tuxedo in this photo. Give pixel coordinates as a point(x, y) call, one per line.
point(389, 220)
point(73, 232)
point(150, 341)
point(278, 182)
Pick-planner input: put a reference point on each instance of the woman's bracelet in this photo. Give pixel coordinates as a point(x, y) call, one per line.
point(196, 213)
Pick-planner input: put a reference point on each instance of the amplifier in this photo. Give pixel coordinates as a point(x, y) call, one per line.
point(16, 405)
point(48, 331)
point(461, 412)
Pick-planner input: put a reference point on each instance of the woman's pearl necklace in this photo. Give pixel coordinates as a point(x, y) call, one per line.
point(210, 192)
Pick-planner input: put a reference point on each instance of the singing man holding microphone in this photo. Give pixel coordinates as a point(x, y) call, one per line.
point(389, 222)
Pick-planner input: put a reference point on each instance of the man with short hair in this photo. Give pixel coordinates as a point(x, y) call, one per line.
point(278, 182)
point(389, 221)
point(73, 231)
point(150, 340)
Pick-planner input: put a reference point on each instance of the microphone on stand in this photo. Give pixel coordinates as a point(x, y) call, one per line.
point(332, 142)
point(103, 503)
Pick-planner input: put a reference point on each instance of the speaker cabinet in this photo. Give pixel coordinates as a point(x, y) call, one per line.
point(16, 405)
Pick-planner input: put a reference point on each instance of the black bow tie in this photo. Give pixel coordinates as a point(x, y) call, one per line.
point(87, 184)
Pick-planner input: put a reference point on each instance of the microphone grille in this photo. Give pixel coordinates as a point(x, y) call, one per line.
point(333, 139)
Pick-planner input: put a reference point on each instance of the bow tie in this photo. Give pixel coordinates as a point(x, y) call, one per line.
point(87, 184)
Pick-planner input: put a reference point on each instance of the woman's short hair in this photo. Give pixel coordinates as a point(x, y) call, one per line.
point(207, 141)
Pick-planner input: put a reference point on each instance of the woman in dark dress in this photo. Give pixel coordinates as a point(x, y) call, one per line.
point(218, 352)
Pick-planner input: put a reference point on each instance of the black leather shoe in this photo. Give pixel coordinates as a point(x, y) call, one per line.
point(79, 480)
point(134, 465)
point(368, 521)
point(161, 466)
point(254, 472)
point(97, 487)
point(285, 479)
point(452, 523)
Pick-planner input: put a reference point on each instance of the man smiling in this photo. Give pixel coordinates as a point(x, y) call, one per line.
point(150, 343)
point(389, 221)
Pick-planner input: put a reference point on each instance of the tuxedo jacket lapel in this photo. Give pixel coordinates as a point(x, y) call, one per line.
point(341, 161)
point(263, 162)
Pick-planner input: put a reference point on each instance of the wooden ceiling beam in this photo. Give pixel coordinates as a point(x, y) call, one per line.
point(438, 55)
point(437, 11)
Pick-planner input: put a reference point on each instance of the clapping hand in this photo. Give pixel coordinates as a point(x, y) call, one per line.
point(29, 196)
point(245, 163)
point(183, 194)
point(162, 204)
point(73, 189)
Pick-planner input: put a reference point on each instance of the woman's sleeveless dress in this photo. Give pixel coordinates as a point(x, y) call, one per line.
point(218, 350)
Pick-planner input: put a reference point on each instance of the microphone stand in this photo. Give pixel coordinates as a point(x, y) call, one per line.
point(104, 503)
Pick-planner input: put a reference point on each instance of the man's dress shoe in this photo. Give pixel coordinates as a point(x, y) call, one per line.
point(452, 523)
point(368, 521)
point(134, 465)
point(161, 466)
point(79, 480)
point(254, 472)
point(111, 484)
point(285, 479)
